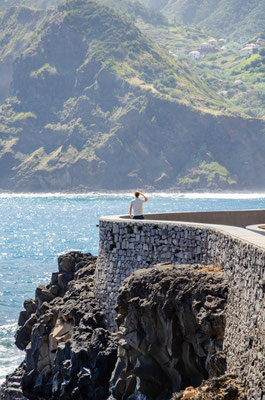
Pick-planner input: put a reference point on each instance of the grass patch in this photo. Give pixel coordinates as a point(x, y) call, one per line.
point(46, 69)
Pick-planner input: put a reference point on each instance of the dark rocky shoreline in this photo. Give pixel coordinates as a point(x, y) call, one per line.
point(171, 322)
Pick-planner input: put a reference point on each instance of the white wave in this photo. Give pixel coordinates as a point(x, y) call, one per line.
point(65, 195)
point(9, 366)
point(240, 196)
point(209, 195)
point(118, 194)
point(5, 370)
point(8, 329)
point(10, 355)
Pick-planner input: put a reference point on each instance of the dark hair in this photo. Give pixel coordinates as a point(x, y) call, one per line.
point(137, 194)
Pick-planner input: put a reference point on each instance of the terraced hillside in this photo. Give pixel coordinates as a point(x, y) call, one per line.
point(218, 17)
point(235, 76)
point(92, 103)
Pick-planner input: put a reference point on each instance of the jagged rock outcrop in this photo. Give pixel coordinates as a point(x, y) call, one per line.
point(171, 325)
point(172, 322)
point(11, 388)
point(69, 351)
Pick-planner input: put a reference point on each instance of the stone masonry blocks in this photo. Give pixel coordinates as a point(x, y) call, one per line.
point(127, 246)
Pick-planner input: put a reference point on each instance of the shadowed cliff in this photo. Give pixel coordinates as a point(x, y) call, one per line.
point(171, 325)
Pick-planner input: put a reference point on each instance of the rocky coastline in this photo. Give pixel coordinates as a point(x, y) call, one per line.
point(168, 343)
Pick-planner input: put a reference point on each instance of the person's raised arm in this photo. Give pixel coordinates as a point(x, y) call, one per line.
point(131, 216)
point(145, 198)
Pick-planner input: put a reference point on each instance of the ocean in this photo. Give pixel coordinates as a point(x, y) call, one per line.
point(36, 228)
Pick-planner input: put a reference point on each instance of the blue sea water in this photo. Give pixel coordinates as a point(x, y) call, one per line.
point(35, 229)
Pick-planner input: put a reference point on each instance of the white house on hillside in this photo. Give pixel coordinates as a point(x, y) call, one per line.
point(207, 47)
point(254, 45)
point(247, 50)
point(195, 54)
point(213, 42)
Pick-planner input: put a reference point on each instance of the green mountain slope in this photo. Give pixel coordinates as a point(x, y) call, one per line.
point(236, 77)
point(234, 74)
point(135, 10)
point(219, 17)
point(94, 104)
point(113, 43)
point(239, 78)
point(17, 31)
point(37, 4)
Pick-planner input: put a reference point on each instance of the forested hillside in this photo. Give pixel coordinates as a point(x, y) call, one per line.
point(134, 10)
point(237, 18)
point(218, 17)
point(236, 77)
point(91, 103)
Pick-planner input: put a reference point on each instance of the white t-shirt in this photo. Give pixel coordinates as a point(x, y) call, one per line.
point(137, 205)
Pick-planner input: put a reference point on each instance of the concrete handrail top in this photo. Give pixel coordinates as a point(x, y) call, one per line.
point(236, 232)
point(257, 228)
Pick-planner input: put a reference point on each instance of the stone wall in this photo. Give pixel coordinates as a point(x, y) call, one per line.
point(126, 246)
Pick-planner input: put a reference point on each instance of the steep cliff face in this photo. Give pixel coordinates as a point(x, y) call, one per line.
point(69, 352)
point(171, 325)
point(172, 322)
point(17, 30)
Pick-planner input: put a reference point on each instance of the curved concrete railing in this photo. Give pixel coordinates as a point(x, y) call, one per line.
point(240, 218)
point(256, 229)
point(229, 222)
point(217, 238)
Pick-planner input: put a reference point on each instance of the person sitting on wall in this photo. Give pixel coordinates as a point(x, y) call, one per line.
point(137, 206)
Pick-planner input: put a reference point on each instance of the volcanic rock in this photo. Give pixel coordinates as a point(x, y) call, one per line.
point(171, 321)
point(69, 351)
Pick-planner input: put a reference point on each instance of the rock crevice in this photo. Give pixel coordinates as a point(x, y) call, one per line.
point(171, 322)
point(69, 351)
